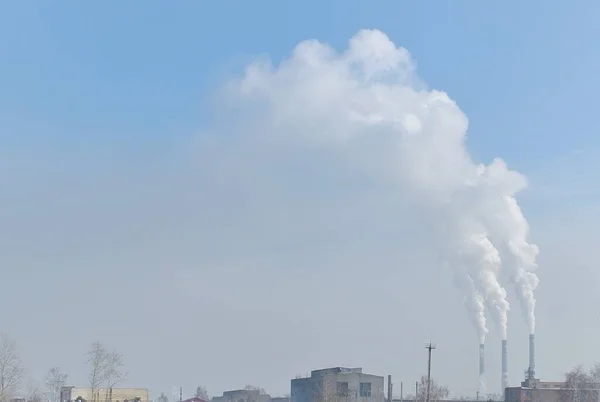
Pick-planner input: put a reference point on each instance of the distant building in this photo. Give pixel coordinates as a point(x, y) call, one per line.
point(534, 390)
point(195, 399)
point(84, 394)
point(338, 384)
point(482, 399)
point(280, 399)
point(242, 395)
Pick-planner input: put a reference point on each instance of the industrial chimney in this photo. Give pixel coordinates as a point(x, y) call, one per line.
point(390, 395)
point(481, 361)
point(532, 355)
point(504, 366)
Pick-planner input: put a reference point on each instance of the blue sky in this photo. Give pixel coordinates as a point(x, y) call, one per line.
point(113, 89)
point(132, 74)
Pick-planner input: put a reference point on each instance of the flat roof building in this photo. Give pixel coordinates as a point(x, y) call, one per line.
point(242, 395)
point(534, 390)
point(338, 384)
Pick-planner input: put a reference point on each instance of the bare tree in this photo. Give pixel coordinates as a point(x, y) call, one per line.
point(436, 391)
point(162, 398)
point(494, 397)
point(11, 368)
point(55, 381)
point(582, 385)
point(254, 393)
point(594, 374)
point(113, 373)
point(202, 393)
point(97, 359)
point(34, 392)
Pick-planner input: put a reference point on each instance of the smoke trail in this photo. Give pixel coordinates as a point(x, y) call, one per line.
point(525, 255)
point(473, 301)
point(450, 251)
point(502, 214)
point(484, 269)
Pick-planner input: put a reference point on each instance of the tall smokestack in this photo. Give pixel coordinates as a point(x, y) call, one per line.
point(390, 394)
point(504, 366)
point(481, 361)
point(531, 355)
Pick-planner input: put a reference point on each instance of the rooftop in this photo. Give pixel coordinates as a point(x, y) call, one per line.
point(336, 370)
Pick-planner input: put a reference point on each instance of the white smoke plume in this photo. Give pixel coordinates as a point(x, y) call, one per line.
point(473, 301)
point(525, 255)
point(367, 105)
point(485, 268)
point(513, 230)
point(501, 213)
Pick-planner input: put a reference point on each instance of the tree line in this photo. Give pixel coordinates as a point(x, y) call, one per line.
point(13, 377)
point(106, 370)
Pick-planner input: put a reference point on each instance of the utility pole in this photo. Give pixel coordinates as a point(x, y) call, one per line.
point(430, 347)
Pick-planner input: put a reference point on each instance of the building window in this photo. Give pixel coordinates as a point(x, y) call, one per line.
point(365, 389)
point(342, 388)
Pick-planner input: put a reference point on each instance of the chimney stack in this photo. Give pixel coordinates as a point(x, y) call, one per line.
point(481, 360)
point(390, 393)
point(504, 366)
point(532, 355)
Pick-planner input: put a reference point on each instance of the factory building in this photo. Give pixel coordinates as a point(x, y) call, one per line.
point(338, 384)
point(242, 395)
point(71, 394)
point(448, 400)
point(534, 390)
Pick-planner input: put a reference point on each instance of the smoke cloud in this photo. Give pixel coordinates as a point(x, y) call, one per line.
point(510, 231)
point(485, 268)
point(525, 255)
point(473, 301)
point(367, 106)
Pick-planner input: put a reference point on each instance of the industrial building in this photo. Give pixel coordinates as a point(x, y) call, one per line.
point(338, 384)
point(534, 390)
point(448, 400)
point(71, 394)
point(242, 395)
